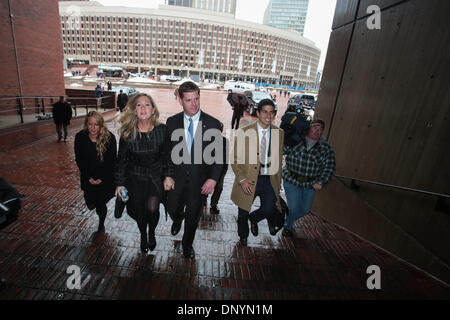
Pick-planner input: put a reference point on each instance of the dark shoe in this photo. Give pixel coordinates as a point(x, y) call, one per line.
point(272, 229)
point(151, 242)
point(214, 210)
point(176, 226)
point(144, 243)
point(287, 233)
point(254, 229)
point(243, 241)
point(190, 253)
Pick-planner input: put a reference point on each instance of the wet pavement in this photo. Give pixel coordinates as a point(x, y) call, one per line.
point(55, 230)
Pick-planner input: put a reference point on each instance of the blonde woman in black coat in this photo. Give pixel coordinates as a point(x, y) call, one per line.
point(95, 155)
point(142, 164)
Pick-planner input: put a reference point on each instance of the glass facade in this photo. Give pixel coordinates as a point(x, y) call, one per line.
point(222, 6)
point(287, 14)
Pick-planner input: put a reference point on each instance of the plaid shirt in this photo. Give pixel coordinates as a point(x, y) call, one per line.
point(318, 163)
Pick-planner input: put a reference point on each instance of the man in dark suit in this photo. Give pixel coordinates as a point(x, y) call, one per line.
point(192, 175)
point(239, 104)
point(122, 100)
point(62, 114)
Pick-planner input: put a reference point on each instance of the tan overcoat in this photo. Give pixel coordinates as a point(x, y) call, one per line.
point(246, 164)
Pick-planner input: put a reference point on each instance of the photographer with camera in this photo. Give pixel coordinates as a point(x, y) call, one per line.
point(309, 166)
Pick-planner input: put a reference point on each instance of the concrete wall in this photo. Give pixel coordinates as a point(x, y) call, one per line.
point(38, 44)
point(385, 99)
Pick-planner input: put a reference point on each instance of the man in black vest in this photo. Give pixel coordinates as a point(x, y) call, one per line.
point(191, 178)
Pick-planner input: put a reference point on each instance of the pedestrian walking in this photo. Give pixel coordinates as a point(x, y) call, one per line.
point(122, 100)
point(257, 169)
point(62, 114)
point(98, 94)
point(142, 164)
point(95, 155)
point(191, 178)
point(239, 103)
point(109, 85)
point(309, 167)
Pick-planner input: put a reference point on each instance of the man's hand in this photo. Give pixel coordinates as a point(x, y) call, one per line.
point(317, 187)
point(169, 184)
point(246, 185)
point(95, 182)
point(209, 186)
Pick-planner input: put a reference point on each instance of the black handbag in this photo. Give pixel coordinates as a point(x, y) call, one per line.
point(119, 208)
point(277, 220)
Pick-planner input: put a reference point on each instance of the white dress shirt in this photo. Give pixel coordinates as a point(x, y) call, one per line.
point(195, 119)
point(260, 135)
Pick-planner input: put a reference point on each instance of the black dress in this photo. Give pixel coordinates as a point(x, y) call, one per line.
point(91, 167)
point(142, 164)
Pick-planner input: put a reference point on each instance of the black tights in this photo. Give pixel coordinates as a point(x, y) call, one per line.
point(150, 217)
point(102, 210)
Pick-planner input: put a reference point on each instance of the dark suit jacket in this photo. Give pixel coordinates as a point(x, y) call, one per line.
point(196, 173)
point(122, 100)
point(62, 112)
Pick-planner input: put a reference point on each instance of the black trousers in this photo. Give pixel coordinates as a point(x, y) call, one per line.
point(218, 190)
point(59, 130)
point(186, 203)
point(268, 206)
point(236, 118)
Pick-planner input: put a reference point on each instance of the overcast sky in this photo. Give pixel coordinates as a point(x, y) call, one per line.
point(318, 21)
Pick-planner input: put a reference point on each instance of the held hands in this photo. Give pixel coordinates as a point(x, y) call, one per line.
point(169, 184)
point(95, 182)
point(209, 186)
point(317, 187)
point(247, 185)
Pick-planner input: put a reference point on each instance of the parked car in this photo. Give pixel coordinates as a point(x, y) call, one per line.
point(238, 86)
point(307, 100)
point(173, 78)
point(128, 90)
point(254, 97)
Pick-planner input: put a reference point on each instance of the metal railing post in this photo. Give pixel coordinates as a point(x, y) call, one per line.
point(20, 111)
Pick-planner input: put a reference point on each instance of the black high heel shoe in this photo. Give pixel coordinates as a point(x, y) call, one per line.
point(151, 241)
point(144, 243)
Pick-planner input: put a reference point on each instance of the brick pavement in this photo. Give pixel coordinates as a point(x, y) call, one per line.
point(55, 230)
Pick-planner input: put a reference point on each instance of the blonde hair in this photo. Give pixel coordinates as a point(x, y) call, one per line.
point(103, 134)
point(129, 120)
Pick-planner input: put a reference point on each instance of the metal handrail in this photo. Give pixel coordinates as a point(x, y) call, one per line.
point(28, 97)
point(395, 187)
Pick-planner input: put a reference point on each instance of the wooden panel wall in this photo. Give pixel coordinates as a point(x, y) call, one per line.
point(345, 13)
point(387, 111)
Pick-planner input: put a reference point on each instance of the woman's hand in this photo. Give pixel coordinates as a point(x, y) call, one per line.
point(95, 182)
point(118, 191)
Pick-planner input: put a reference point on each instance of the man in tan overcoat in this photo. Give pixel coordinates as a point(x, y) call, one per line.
point(257, 160)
